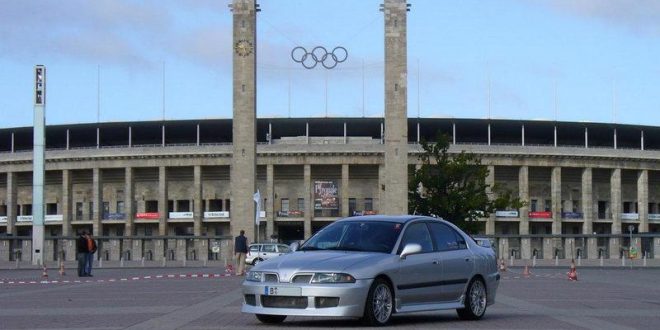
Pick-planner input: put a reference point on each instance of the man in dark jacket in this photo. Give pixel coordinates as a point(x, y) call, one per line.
point(240, 250)
point(91, 249)
point(81, 250)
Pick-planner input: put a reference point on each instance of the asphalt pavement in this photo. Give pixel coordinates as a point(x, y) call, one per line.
point(205, 298)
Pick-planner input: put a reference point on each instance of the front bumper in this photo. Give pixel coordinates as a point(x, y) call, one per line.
point(352, 297)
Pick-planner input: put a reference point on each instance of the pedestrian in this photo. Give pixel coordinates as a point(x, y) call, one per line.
point(81, 250)
point(240, 251)
point(91, 249)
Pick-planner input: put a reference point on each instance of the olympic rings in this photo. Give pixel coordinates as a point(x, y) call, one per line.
point(319, 54)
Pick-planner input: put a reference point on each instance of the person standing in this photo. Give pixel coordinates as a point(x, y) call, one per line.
point(91, 249)
point(81, 250)
point(240, 251)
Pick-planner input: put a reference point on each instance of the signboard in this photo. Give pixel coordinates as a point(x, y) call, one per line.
point(40, 85)
point(326, 195)
point(629, 216)
point(370, 212)
point(571, 215)
point(216, 214)
point(54, 217)
point(3, 219)
point(24, 218)
point(654, 216)
point(290, 214)
point(181, 215)
point(542, 215)
point(114, 216)
point(262, 214)
point(506, 214)
point(147, 215)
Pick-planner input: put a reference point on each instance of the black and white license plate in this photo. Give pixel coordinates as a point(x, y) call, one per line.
point(282, 291)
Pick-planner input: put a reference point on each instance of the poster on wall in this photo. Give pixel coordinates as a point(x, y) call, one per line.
point(326, 195)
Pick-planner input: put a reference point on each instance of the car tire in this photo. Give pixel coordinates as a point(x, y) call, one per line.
point(474, 302)
point(379, 305)
point(271, 319)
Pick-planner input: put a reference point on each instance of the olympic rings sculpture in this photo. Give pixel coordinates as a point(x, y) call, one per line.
point(319, 54)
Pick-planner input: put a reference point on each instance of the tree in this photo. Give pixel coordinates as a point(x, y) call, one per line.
point(454, 187)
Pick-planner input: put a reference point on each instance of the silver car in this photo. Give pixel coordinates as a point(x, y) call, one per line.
point(371, 267)
point(258, 252)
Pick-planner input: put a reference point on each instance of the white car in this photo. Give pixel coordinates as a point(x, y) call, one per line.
point(259, 252)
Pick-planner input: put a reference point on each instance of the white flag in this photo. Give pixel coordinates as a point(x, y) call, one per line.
point(257, 199)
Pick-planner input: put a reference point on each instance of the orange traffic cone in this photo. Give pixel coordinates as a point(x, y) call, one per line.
point(572, 273)
point(526, 272)
point(502, 265)
point(44, 274)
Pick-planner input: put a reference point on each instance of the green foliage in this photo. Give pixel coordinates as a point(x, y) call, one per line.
point(454, 187)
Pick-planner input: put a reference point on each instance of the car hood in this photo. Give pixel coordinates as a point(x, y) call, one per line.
point(321, 261)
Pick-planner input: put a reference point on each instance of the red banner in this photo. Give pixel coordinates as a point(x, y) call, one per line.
point(544, 215)
point(147, 215)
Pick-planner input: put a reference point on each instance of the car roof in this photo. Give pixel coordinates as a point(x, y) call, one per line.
point(389, 218)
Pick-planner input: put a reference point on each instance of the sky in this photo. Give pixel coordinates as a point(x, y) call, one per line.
point(121, 60)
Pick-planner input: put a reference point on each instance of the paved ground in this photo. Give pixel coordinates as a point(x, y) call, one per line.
point(202, 298)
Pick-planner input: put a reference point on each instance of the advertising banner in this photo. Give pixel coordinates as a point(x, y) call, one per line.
point(3, 219)
point(326, 195)
point(114, 216)
point(571, 215)
point(216, 214)
point(506, 214)
point(54, 217)
point(629, 216)
point(181, 215)
point(24, 218)
point(147, 215)
point(541, 215)
point(654, 216)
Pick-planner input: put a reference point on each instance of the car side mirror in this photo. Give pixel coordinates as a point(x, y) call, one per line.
point(294, 246)
point(409, 249)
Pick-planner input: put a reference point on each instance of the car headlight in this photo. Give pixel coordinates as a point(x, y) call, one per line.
point(254, 276)
point(332, 278)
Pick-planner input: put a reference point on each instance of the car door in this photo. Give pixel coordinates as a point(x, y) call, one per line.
point(417, 277)
point(268, 251)
point(457, 260)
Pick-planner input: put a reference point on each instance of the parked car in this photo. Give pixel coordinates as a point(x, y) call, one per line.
point(259, 252)
point(371, 267)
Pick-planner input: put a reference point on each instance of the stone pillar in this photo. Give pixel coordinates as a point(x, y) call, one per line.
point(270, 203)
point(503, 251)
point(198, 215)
point(344, 190)
point(129, 207)
point(588, 212)
point(97, 202)
point(490, 181)
point(202, 247)
point(548, 248)
point(523, 194)
point(180, 249)
point(615, 194)
point(114, 248)
point(381, 188)
point(396, 108)
point(67, 202)
point(48, 250)
point(5, 250)
point(556, 200)
point(26, 250)
point(136, 249)
point(244, 165)
point(643, 200)
point(12, 207)
point(656, 247)
point(162, 201)
point(309, 201)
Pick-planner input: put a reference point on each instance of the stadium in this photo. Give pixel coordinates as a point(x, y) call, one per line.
point(180, 190)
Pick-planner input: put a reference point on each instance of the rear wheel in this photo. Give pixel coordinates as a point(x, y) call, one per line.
point(271, 319)
point(475, 301)
point(378, 307)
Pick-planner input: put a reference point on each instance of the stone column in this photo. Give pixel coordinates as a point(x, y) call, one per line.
point(396, 108)
point(198, 213)
point(67, 202)
point(344, 190)
point(548, 248)
point(309, 201)
point(129, 198)
point(270, 203)
point(162, 201)
point(656, 247)
point(12, 207)
point(523, 193)
point(615, 206)
point(643, 200)
point(588, 212)
point(244, 148)
point(97, 202)
point(490, 181)
point(556, 200)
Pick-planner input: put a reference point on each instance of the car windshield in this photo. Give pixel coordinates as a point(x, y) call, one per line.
point(368, 236)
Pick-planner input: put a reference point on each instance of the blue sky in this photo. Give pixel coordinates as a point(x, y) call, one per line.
point(570, 60)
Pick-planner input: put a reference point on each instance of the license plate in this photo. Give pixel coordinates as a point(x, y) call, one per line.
point(282, 291)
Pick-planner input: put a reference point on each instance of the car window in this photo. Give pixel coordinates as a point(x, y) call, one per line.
point(372, 235)
point(254, 248)
point(283, 249)
point(268, 248)
point(446, 238)
point(417, 233)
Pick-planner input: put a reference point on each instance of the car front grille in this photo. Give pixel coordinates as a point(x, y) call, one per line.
point(284, 302)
